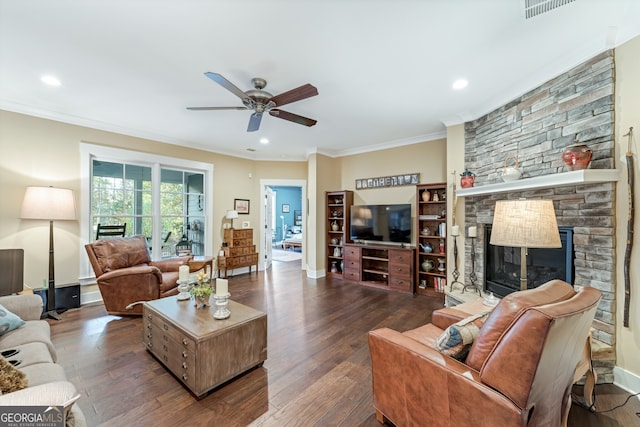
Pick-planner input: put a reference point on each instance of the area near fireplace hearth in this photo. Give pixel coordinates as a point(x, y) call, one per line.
point(537, 127)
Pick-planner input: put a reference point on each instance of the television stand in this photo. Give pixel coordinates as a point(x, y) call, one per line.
point(380, 266)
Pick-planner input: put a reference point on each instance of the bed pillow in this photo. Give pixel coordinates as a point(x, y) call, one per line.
point(8, 321)
point(456, 340)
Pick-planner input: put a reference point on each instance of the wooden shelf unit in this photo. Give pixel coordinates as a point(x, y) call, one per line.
point(431, 228)
point(338, 209)
point(380, 266)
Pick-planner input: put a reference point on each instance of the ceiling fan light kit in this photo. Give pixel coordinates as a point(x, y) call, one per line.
point(261, 101)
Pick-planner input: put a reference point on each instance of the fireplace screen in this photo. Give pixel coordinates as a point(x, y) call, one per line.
point(502, 264)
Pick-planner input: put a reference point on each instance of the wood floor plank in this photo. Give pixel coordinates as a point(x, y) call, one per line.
point(318, 371)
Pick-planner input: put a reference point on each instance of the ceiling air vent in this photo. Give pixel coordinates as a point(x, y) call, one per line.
point(538, 7)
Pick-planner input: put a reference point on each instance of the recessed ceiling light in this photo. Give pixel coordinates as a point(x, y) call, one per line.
point(460, 84)
point(264, 141)
point(50, 80)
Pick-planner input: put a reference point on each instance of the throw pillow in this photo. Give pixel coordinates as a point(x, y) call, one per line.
point(11, 379)
point(456, 340)
point(8, 321)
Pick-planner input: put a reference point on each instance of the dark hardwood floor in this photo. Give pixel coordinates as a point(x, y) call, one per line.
point(317, 372)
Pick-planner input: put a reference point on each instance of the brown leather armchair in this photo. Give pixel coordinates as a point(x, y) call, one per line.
point(126, 274)
point(519, 370)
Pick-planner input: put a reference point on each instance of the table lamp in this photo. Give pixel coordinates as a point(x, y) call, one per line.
point(54, 204)
point(232, 215)
point(525, 224)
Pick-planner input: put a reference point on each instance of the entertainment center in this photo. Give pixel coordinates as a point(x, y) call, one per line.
point(374, 245)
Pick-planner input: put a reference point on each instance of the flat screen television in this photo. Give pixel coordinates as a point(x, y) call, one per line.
point(381, 223)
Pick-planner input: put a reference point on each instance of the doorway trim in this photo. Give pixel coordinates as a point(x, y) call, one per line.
point(302, 183)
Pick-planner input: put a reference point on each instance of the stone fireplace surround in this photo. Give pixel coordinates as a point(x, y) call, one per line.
point(537, 127)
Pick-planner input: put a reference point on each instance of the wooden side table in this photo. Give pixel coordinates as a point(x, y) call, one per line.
point(199, 262)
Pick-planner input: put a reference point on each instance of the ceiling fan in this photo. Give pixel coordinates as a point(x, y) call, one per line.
point(261, 101)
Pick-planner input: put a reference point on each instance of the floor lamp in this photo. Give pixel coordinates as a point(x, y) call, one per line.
point(525, 224)
point(54, 204)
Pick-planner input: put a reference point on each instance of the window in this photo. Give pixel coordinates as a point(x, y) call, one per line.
point(164, 199)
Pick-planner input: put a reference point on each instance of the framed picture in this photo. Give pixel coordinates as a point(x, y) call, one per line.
point(246, 224)
point(285, 208)
point(241, 205)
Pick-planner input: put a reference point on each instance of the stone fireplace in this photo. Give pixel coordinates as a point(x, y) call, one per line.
point(537, 128)
point(502, 264)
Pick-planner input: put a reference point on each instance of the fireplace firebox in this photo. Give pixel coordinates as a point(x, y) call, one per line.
point(502, 264)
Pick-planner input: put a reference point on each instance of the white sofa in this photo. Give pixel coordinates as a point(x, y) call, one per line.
point(47, 382)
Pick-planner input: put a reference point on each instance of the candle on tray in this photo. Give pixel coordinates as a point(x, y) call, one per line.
point(455, 230)
point(473, 231)
point(222, 287)
point(183, 273)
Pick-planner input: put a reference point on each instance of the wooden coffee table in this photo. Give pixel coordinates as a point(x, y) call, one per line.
point(200, 351)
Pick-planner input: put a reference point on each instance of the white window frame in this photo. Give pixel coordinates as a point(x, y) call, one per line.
point(90, 152)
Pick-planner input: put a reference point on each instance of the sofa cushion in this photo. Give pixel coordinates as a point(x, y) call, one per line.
point(11, 379)
point(32, 353)
point(8, 321)
point(456, 340)
point(43, 373)
point(31, 331)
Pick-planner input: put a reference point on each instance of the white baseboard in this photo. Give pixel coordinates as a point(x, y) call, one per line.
point(626, 380)
point(90, 297)
point(316, 274)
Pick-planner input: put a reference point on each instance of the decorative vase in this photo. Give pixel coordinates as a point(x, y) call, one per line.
point(426, 195)
point(335, 226)
point(337, 251)
point(467, 178)
point(427, 265)
point(441, 266)
point(426, 231)
point(577, 156)
point(511, 173)
point(334, 267)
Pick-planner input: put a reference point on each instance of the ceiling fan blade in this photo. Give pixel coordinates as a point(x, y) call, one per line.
point(292, 117)
point(297, 94)
point(254, 122)
point(215, 108)
point(227, 85)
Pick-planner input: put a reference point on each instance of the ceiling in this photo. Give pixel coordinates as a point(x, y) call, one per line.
point(383, 68)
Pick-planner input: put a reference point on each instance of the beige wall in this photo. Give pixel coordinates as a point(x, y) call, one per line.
point(37, 151)
point(627, 59)
point(427, 158)
point(324, 175)
point(455, 165)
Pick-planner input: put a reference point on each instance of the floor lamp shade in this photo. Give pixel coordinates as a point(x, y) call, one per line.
point(50, 203)
point(525, 224)
point(53, 204)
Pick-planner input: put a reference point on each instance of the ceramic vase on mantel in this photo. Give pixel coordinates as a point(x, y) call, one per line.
point(577, 156)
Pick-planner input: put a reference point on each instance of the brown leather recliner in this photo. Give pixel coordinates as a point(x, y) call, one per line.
point(126, 274)
point(519, 370)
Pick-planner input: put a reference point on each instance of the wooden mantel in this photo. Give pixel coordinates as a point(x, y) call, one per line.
point(585, 176)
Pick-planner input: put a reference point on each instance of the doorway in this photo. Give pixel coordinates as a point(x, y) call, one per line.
point(283, 216)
